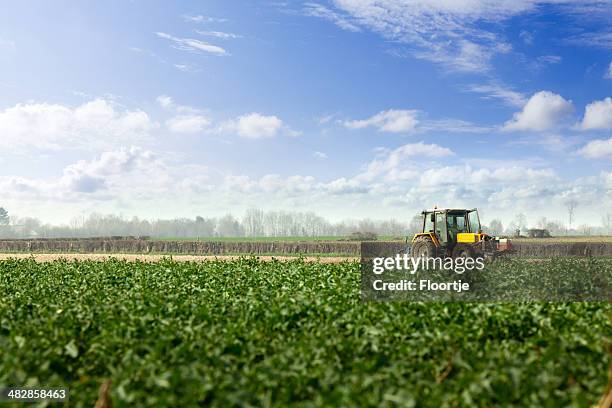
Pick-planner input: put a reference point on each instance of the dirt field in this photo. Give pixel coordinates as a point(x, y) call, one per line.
point(572, 239)
point(157, 258)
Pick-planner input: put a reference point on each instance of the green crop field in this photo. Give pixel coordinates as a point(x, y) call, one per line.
point(253, 333)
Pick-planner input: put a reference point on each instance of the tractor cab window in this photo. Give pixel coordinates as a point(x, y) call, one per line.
point(441, 227)
point(429, 223)
point(474, 221)
point(456, 224)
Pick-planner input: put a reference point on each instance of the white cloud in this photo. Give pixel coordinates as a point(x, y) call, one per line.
point(320, 155)
point(597, 149)
point(597, 115)
point(188, 119)
point(165, 101)
point(452, 126)
point(598, 39)
point(342, 185)
point(253, 126)
point(543, 111)
point(392, 120)
point(415, 175)
point(400, 163)
point(549, 59)
point(17, 186)
point(467, 56)
point(608, 74)
point(219, 34)
point(97, 123)
point(193, 45)
point(319, 10)
point(493, 90)
point(446, 32)
point(407, 121)
point(187, 123)
point(526, 36)
point(203, 19)
point(186, 67)
point(460, 35)
point(325, 119)
point(91, 176)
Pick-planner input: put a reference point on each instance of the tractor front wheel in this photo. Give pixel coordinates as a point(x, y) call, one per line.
point(423, 247)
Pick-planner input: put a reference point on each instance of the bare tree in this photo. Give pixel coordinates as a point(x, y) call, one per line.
point(606, 221)
point(571, 207)
point(4, 217)
point(228, 226)
point(542, 222)
point(496, 227)
point(586, 229)
point(253, 222)
point(416, 224)
point(521, 221)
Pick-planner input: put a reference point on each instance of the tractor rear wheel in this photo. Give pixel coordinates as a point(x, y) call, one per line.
point(463, 251)
point(423, 247)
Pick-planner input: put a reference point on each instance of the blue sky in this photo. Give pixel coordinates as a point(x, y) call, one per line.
point(355, 108)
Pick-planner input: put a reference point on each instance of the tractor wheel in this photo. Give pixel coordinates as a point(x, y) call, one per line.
point(423, 247)
point(463, 251)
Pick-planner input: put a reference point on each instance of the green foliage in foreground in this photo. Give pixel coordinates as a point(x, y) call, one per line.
point(253, 333)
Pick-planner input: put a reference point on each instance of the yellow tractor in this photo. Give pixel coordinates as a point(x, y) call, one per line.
point(452, 232)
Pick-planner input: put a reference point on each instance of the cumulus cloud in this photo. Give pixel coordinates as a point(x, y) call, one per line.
point(544, 110)
point(597, 149)
point(597, 115)
point(91, 176)
point(399, 163)
point(98, 123)
point(193, 45)
point(187, 123)
point(395, 121)
point(253, 126)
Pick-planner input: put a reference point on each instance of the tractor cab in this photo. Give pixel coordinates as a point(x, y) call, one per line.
point(452, 232)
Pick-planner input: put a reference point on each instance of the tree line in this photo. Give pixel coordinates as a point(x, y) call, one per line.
point(253, 223)
point(258, 223)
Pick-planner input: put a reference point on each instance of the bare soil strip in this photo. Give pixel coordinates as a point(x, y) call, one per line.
point(157, 258)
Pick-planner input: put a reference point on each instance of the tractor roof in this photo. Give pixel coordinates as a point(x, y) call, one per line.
point(447, 210)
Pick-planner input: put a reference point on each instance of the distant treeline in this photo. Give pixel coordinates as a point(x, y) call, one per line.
point(259, 223)
point(254, 223)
